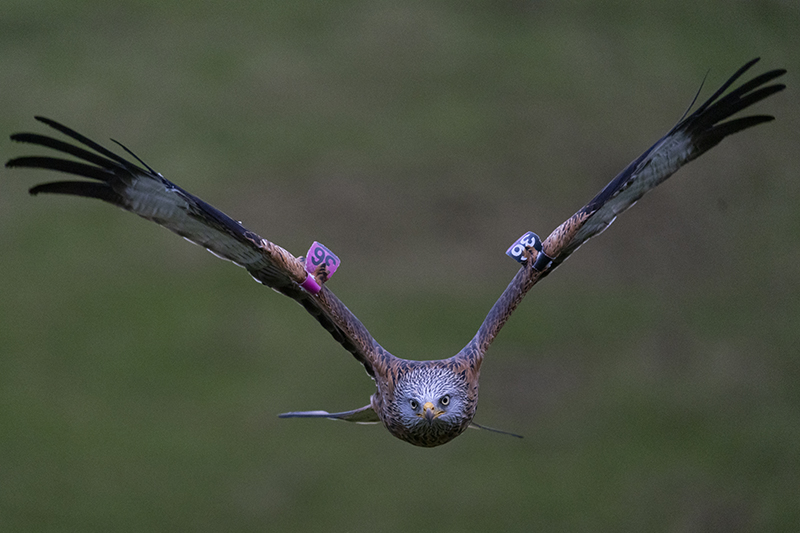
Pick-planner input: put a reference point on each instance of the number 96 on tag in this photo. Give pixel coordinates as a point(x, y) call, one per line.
point(318, 255)
point(529, 240)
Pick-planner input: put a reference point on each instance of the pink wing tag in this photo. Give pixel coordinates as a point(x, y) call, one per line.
point(529, 240)
point(317, 256)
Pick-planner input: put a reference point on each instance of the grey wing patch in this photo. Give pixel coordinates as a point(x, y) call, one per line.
point(363, 415)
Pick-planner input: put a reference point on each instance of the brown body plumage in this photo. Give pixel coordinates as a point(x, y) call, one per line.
point(426, 403)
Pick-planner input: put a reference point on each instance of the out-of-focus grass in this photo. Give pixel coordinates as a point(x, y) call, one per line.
point(654, 376)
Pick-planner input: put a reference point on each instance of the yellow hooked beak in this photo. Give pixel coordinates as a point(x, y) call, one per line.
point(429, 411)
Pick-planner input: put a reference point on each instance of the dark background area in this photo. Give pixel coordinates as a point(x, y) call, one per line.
point(654, 376)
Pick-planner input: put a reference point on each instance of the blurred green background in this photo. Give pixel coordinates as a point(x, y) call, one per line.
point(655, 376)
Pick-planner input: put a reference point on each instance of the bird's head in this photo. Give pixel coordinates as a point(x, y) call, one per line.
point(431, 406)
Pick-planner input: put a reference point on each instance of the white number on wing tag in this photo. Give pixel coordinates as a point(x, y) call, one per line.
point(517, 250)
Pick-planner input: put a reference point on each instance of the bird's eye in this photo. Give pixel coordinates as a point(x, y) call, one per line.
point(444, 400)
point(414, 404)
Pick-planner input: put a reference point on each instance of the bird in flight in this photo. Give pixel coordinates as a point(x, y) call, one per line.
point(425, 403)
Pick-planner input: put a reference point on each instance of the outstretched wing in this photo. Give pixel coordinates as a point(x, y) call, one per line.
point(691, 137)
point(148, 194)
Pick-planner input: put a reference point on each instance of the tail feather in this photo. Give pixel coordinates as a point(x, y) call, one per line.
point(362, 415)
